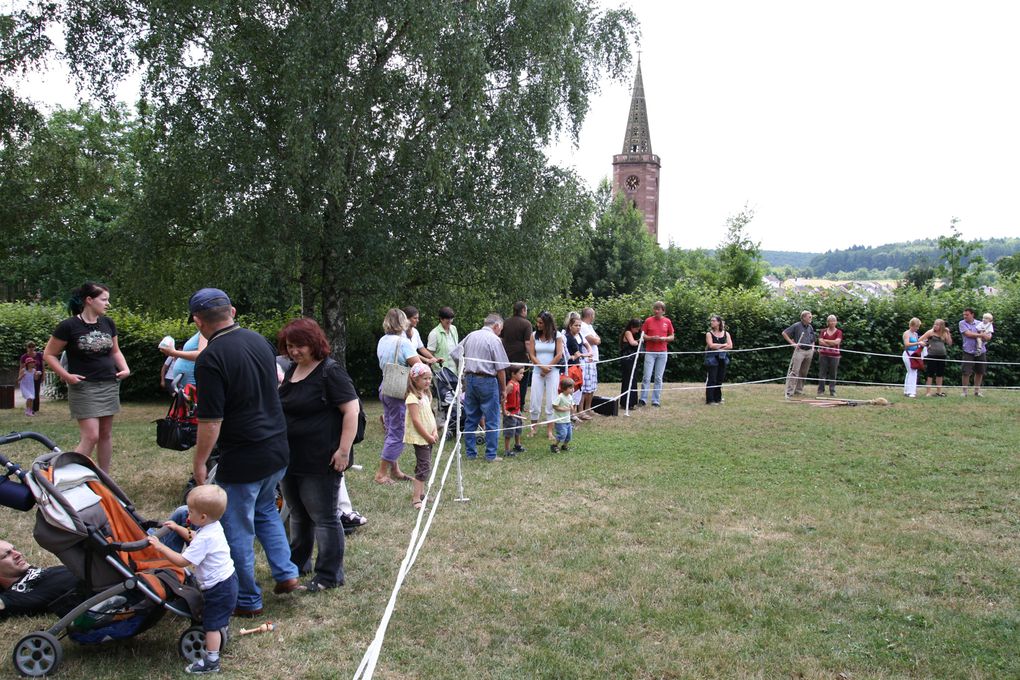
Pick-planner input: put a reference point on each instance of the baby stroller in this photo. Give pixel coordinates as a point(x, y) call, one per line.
point(444, 382)
point(88, 522)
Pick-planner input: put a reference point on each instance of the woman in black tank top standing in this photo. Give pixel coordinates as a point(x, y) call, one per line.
point(717, 341)
point(629, 341)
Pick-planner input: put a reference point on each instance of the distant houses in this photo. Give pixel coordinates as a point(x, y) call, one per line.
point(864, 290)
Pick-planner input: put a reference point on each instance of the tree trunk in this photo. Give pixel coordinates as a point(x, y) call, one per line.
point(334, 318)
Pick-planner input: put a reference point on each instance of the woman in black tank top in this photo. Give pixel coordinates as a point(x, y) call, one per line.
point(717, 341)
point(629, 340)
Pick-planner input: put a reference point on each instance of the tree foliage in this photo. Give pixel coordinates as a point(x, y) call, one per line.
point(63, 194)
point(23, 46)
point(362, 152)
point(740, 262)
point(620, 254)
point(921, 276)
point(959, 266)
point(1009, 266)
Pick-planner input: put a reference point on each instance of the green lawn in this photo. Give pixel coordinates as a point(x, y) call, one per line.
point(759, 539)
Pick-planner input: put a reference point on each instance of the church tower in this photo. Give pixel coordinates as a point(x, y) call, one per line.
point(636, 169)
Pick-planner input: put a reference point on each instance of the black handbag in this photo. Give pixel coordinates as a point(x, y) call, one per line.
point(174, 432)
point(174, 435)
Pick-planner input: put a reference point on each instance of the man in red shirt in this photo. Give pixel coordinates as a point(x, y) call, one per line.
point(657, 332)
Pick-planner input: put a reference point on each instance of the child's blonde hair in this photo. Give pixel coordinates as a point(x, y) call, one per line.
point(987, 317)
point(208, 499)
point(418, 370)
point(566, 384)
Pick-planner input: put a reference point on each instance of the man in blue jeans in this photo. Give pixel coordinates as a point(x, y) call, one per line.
point(485, 363)
point(240, 413)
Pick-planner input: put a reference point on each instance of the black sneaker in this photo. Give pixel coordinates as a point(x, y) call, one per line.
point(553, 448)
point(314, 586)
point(510, 453)
point(353, 519)
point(564, 447)
point(202, 667)
point(641, 402)
point(518, 448)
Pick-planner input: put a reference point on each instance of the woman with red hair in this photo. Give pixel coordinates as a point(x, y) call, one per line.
point(321, 407)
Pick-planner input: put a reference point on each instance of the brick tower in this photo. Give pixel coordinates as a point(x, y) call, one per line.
point(636, 169)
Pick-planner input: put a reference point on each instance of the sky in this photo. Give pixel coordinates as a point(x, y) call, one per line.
point(838, 124)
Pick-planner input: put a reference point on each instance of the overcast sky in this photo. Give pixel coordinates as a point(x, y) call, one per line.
point(838, 123)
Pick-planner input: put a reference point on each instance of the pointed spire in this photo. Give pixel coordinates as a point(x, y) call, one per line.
point(637, 139)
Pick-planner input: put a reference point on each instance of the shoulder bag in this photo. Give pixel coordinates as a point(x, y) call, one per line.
point(394, 380)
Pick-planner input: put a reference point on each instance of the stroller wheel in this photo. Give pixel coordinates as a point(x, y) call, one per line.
point(37, 654)
point(191, 645)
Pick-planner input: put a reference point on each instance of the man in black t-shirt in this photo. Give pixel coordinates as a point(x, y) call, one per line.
point(25, 589)
point(515, 336)
point(240, 413)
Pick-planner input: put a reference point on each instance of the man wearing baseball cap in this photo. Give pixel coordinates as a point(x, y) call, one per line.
point(240, 413)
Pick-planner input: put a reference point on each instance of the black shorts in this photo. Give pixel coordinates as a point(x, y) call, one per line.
point(934, 367)
point(220, 601)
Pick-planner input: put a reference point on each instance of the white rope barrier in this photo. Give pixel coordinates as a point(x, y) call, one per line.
point(766, 348)
point(366, 668)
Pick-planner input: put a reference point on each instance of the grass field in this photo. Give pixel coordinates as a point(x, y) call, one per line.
point(759, 539)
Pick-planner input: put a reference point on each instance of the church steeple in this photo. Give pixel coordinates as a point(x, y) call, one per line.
point(636, 169)
point(636, 138)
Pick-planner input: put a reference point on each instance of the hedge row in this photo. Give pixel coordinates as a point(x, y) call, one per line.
point(753, 319)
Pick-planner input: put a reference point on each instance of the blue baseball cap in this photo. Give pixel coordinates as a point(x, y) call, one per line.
point(207, 298)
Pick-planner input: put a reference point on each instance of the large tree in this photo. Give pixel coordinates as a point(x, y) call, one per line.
point(370, 150)
point(619, 255)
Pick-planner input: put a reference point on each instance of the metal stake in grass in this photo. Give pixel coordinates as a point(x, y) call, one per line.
point(460, 479)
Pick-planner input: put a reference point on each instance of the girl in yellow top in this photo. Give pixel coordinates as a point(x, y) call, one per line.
point(420, 428)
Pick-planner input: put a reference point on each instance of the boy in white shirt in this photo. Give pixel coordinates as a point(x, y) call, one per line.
point(208, 558)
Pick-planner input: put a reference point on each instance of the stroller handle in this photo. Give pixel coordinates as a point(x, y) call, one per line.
point(140, 544)
point(18, 436)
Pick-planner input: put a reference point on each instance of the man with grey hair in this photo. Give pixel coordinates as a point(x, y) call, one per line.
point(485, 362)
point(801, 336)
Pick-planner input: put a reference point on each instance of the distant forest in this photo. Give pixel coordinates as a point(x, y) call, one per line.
point(901, 256)
point(783, 258)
